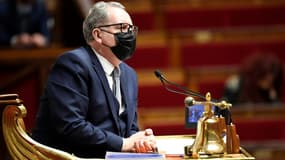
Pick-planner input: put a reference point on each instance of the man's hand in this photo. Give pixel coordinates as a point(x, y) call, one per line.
point(39, 40)
point(141, 142)
point(26, 40)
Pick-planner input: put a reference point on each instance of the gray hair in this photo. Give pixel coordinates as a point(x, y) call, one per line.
point(97, 16)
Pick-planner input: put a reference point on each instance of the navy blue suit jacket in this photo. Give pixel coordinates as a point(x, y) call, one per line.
point(78, 111)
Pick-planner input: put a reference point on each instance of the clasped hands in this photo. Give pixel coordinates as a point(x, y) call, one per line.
point(140, 142)
point(25, 40)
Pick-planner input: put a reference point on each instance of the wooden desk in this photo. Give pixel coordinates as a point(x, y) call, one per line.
point(22, 62)
point(20, 55)
point(173, 147)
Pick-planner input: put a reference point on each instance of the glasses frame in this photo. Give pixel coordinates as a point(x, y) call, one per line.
point(131, 28)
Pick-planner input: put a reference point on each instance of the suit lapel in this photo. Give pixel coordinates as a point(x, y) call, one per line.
point(124, 88)
point(109, 94)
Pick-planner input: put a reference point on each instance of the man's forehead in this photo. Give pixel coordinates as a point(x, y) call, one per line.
point(118, 15)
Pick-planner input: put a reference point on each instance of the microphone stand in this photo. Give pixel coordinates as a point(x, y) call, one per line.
point(182, 89)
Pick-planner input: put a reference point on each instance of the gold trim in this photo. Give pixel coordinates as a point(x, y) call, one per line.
point(20, 145)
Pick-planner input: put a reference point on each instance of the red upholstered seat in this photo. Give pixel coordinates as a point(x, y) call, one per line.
point(211, 54)
point(224, 17)
point(216, 88)
point(150, 57)
point(144, 20)
point(28, 90)
point(157, 96)
point(259, 130)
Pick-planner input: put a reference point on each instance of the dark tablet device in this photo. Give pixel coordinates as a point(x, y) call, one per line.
point(192, 115)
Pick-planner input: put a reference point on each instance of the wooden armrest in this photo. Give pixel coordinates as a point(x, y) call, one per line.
point(8, 96)
point(20, 145)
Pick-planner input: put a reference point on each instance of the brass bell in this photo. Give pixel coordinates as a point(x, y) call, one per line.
point(213, 142)
point(212, 136)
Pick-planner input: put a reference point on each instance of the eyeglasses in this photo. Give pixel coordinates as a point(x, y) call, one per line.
point(124, 27)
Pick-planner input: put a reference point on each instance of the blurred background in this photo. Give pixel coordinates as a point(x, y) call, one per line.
point(204, 45)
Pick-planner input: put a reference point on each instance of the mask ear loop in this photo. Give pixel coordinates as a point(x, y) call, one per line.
point(98, 30)
point(96, 34)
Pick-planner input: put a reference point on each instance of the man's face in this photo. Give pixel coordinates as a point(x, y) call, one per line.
point(115, 16)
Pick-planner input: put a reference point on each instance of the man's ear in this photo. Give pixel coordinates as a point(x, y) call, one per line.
point(96, 35)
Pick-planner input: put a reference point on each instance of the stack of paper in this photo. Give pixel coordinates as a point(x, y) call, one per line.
point(133, 156)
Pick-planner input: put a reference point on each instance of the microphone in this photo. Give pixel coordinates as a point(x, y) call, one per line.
point(182, 89)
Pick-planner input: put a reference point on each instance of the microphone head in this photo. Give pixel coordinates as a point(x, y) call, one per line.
point(158, 74)
point(189, 101)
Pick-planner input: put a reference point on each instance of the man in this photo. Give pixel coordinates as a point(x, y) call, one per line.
point(79, 112)
point(24, 24)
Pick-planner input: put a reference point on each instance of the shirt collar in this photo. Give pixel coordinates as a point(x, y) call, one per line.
point(107, 66)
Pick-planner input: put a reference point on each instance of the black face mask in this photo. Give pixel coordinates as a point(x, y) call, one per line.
point(125, 45)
